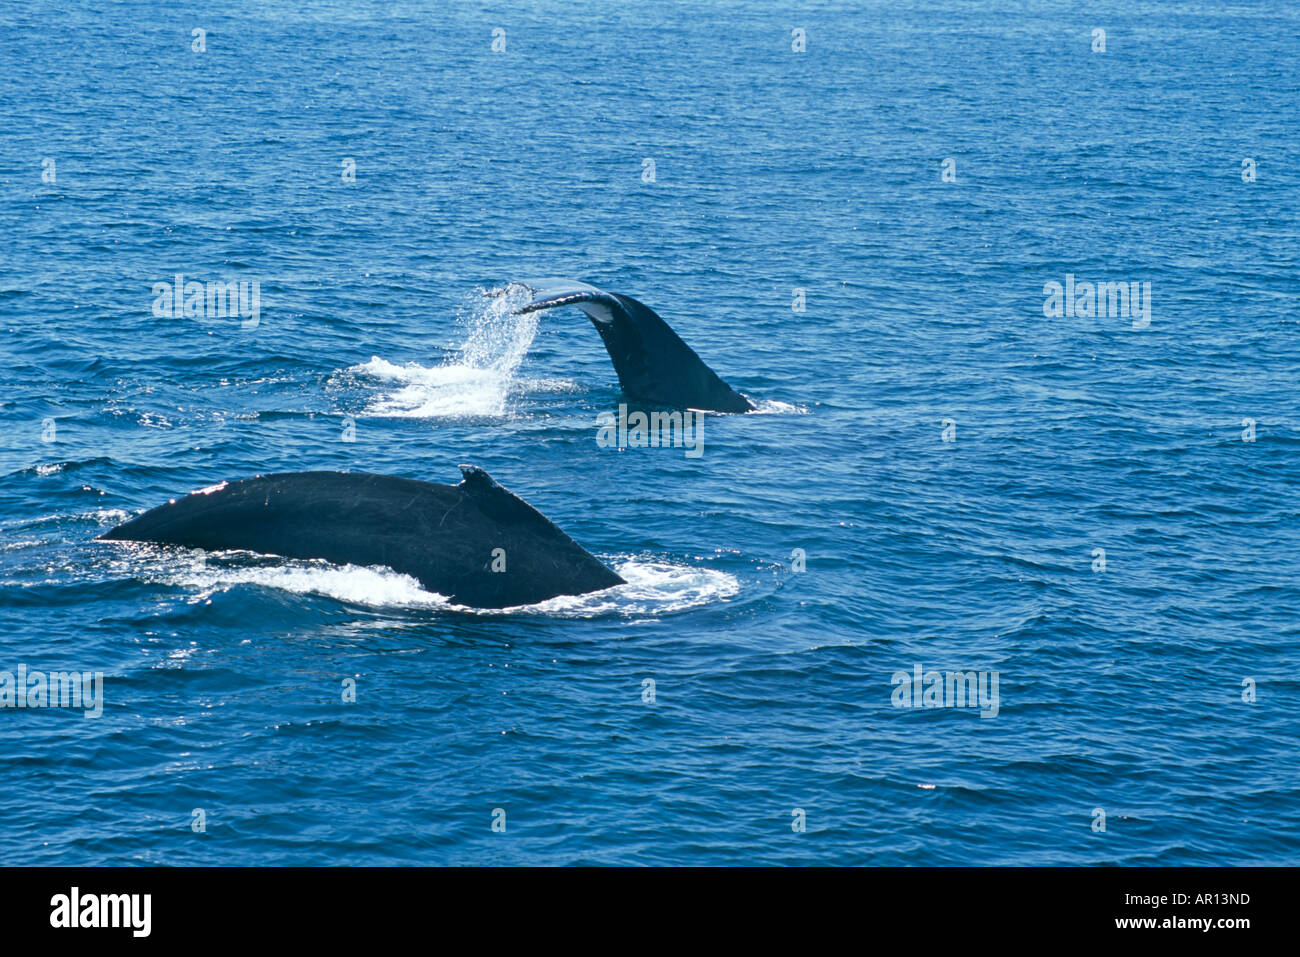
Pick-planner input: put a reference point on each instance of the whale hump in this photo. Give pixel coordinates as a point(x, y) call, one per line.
point(653, 364)
point(475, 542)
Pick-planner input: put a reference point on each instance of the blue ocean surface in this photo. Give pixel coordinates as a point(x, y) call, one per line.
point(855, 213)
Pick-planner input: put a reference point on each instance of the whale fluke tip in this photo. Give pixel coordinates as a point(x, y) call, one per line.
point(653, 363)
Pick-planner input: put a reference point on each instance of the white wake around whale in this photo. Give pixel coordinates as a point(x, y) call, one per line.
point(652, 586)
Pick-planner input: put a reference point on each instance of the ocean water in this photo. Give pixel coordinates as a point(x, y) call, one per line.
point(941, 457)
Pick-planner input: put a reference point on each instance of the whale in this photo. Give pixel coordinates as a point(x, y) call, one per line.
point(654, 365)
point(474, 543)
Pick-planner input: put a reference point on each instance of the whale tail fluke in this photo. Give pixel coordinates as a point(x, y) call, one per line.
point(653, 364)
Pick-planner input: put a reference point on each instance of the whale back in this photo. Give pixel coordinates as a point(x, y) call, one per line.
point(475, 542)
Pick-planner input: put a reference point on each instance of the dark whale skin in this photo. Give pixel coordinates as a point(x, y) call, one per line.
point(654, 365)
point(444, 536)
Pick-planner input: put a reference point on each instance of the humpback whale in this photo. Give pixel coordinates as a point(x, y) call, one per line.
point(474, 542)
point(653, 364)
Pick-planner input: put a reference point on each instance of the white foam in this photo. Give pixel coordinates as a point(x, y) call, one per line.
point(355, 584)
point(652, 587)
point(477, 381)
point(425, 392)
point(776, 407)
point(20, 543)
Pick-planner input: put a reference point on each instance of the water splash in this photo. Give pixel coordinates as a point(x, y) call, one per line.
point(477, 380)
point(354, 584)
point(653, 587)
point(777, 407)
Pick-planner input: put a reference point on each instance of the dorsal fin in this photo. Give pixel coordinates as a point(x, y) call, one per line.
point(497, 500)
point(476, 479)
